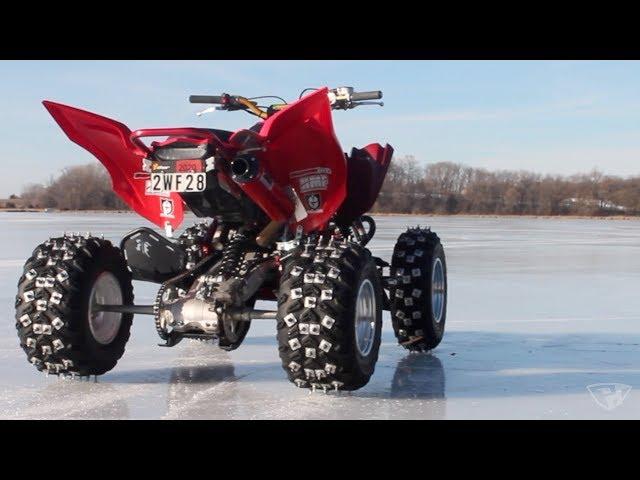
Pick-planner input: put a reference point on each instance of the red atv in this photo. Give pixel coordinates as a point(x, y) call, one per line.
point(288, 224)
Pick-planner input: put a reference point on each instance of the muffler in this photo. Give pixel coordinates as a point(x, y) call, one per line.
point(253, 178)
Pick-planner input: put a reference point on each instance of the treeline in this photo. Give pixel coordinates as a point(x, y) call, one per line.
point(453, 188)
point(444, 188)
point(84, 187)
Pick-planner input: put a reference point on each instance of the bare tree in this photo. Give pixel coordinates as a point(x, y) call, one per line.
point(84, 187)
point(448, 187)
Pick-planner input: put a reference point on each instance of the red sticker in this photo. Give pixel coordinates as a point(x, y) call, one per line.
point(183, 166)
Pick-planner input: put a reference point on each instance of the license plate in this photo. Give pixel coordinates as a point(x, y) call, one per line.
point(178, 182)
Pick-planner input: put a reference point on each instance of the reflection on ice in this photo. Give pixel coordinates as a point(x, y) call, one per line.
point(191, 387)
point(419, 376)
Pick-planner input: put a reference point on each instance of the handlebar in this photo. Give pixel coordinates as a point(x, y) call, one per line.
point(360, 96)
point(344, 98)
point(206, 99)
point(341, 98)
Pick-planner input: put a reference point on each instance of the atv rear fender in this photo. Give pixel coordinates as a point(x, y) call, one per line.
point(111, 143)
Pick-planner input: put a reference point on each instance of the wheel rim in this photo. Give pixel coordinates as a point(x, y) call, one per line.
point(365, 324)
point(104, 326)
point(438, 290)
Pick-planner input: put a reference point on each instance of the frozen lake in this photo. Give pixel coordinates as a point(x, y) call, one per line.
point(539, 309)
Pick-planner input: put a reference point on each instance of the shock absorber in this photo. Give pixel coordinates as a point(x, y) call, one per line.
point(232, 256)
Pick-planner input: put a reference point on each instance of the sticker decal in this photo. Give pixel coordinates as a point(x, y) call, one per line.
point(314, 202)
point(188, 166)
point(312, 179)
point(143, 247)
point(147, 165)
point(166, 208)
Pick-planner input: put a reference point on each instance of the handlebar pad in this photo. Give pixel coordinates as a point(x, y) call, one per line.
point(359, 96)
point(205, 99)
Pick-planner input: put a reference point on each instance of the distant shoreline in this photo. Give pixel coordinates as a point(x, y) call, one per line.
point(460, 215)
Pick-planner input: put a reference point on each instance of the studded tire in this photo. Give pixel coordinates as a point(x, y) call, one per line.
point(418, 325)
point(316, 316)
point(52, 306)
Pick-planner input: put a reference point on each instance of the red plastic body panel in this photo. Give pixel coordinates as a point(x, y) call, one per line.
point(302, 151)
point(110, 142)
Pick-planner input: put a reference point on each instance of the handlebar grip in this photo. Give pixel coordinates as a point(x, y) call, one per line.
point(206, 99)
point(360, 96)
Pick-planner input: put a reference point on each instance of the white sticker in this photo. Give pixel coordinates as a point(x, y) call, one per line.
point(312, 179)
point(299, 213)
point(166, 208)
point(147, 165)
point(314, 202)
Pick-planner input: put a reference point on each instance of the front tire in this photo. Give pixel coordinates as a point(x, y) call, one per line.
point(419, 291)
point(329, 316)
point(57, 326)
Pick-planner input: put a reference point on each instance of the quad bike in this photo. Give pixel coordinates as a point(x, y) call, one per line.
point(288, 223)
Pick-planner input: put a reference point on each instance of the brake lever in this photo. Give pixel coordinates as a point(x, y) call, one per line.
point(207, 110)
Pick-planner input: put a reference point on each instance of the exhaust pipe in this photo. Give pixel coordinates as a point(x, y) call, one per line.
point(253, 178)
point(244, 168)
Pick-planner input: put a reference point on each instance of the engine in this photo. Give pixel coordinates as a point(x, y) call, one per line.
point(218, 303)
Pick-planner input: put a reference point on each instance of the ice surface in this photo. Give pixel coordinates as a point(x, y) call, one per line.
point(538, 310)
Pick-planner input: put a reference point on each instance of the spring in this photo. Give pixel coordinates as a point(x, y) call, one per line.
point(232, 256)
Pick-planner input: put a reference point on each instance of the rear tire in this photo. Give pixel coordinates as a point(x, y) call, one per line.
point(329, 316)
point(61, 280)
point(419, 295)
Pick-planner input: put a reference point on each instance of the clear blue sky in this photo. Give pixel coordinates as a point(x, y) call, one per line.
point(550, 117)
